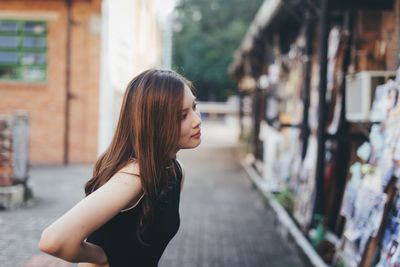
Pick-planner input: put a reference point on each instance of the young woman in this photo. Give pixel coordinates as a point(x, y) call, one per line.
point(131, 210)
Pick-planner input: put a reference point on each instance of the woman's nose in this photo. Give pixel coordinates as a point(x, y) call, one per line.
point(197, 120)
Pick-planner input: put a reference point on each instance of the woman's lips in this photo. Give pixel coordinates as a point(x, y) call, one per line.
point(197, 135)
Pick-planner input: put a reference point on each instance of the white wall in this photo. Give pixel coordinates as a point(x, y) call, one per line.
point(131, 43)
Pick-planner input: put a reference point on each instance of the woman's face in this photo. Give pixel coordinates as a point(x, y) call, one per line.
point(190, 122)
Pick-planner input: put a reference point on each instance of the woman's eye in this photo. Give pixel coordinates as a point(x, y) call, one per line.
point(184, 116)
point(194, 106)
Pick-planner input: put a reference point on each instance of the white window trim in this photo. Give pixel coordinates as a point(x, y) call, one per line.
point(29, 15)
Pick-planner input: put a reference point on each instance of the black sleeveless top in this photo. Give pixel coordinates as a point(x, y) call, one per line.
point(118, 237)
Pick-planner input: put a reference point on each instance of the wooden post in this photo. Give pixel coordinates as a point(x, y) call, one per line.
point(305, 129)
point(324, 24)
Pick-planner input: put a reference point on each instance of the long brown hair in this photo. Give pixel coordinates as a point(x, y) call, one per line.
point(148, 130)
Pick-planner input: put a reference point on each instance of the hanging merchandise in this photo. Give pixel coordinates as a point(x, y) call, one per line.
point(385, 99)
point(279, 152)
point(364, 199)
point(395, 115)
point(363, 208)
point(295, 169)
point(292, 106)
point(289, 152)
point(313, 109)
point(385, 150)
point(352, 188)
point(336, 52)
point(350, 194)
point(246, 121)
point(272, 108)
point(396, 161)
point(283, 106)
point(272, 101)
point(272, 142)
point(390, 253)
point(305, 190)
point(364, 151)
point(389, 164)
point(290, 93)
point(392, 140)
point(333, 47)
point(377, 140)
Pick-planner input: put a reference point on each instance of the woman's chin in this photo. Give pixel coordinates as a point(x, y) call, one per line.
point(191, 145)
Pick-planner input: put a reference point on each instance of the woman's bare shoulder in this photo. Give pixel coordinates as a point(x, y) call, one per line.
point(132, 167)
point(129, 175)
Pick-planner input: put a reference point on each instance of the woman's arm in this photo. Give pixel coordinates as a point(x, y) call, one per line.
point(65, 237)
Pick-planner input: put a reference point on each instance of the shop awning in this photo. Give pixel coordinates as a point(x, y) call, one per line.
point(270, 8)
point(276, 12)
point(265, 14)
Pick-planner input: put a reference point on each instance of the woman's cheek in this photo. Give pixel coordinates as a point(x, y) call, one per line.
point(183, 130)
point(186, 129)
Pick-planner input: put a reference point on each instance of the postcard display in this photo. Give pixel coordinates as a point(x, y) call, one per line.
point(303, 175)
point(283, 106)
point(366, 193)
point(280, 147)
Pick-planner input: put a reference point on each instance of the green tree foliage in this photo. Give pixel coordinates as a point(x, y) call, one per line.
point(206, 34)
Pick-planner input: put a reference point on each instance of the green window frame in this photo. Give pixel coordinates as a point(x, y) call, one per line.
point(23, 50)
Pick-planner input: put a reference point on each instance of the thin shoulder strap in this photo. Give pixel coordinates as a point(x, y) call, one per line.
point(137, 202)
point(135, 174)
point(133, 206)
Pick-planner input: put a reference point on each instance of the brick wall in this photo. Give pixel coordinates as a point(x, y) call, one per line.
point(46, 102)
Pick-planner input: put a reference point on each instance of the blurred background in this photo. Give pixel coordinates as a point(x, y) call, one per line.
point(300, 158)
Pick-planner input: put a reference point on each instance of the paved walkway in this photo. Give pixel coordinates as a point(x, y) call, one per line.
point(224, 222)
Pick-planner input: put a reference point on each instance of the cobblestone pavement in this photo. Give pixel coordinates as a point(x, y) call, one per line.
point(55, 189)
point(224, 222)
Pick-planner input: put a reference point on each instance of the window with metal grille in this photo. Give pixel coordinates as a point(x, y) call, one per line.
point(23, 50)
